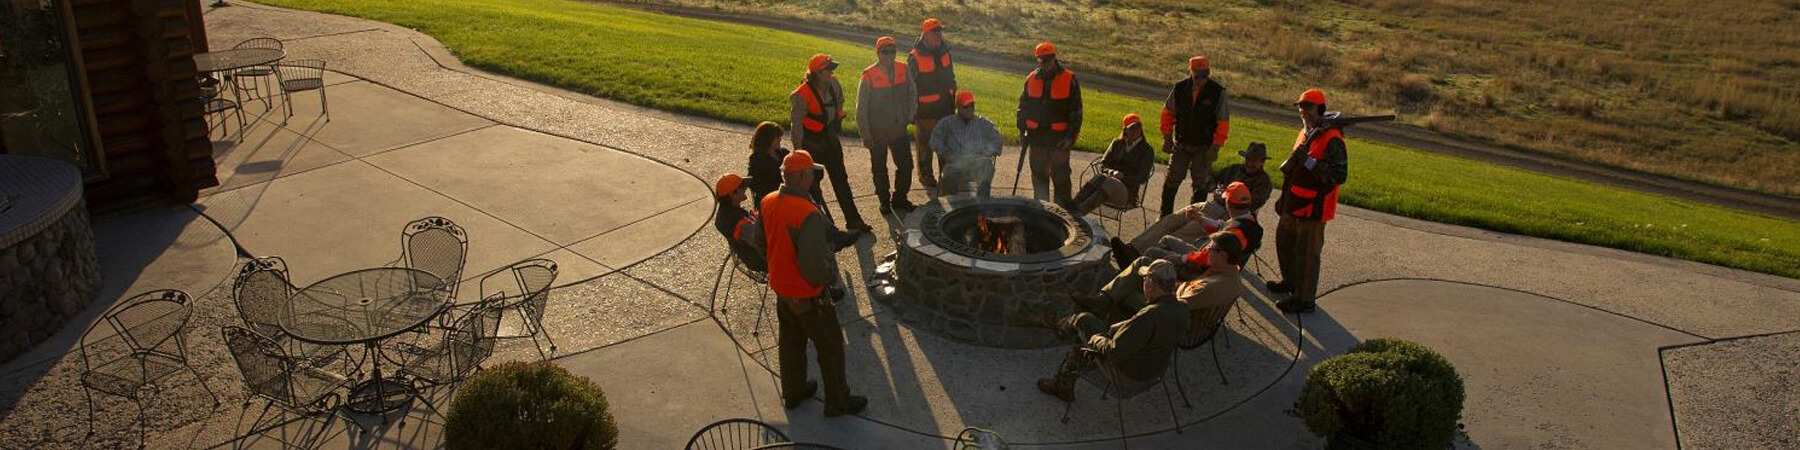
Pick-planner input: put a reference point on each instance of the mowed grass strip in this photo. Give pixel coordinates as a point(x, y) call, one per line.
point(743, 74)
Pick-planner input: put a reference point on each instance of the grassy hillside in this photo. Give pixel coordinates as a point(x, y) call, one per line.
point(1706, 90)
point(743, 74)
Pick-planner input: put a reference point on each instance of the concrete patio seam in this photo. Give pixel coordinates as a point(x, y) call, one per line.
point(1521, 291)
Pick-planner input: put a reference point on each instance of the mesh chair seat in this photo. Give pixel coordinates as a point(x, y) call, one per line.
point(252, 72)
point(311, 384)
point(305, 84)
point(127, 375)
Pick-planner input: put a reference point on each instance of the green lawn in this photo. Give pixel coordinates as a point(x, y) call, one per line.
point(743, 74)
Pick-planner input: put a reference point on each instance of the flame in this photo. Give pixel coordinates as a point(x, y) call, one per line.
point(993, 239)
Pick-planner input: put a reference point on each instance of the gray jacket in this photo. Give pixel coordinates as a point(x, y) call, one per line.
point(883, 113)
point(956, 138)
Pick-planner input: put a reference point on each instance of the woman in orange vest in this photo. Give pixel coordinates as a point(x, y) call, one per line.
point(1309, 190)
point(934, 74)
point(818, 117)
point(1049, 121)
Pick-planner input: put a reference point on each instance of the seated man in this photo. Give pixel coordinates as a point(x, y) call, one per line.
point(740, 227)
point(968, 144)
point(1125, 166)
point(1241, 216)
point(1187, 225)
point(1117, 299)
point(1135, 347)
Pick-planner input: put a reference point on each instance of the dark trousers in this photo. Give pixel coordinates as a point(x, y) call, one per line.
point(900, 149)
point(1049, 167)
point(1298, 243)
point(1079, 327)
point(828, 151)
point(815, 322)
point(927, 169)
point(1186, 161)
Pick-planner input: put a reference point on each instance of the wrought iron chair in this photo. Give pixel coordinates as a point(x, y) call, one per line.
point(287, 382)
point(261, 291)
point(973, 438)
point(722, 302)
point(1115, 212)
point(300, 76)
point(438, 246)
point(152, 326)
point(464, 346)
point(796, 446)
point(735, 434)
point(528, 283)
point(1106, 376)
point(1208, 324)
point(257, 74)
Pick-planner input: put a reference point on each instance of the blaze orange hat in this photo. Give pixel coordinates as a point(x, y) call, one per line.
point(727, 184)
point(1043, 49)
point(884, 41)
point(964, 98)
point(931, 24)
point(1313, 96)
point(1237, 193)
point(797, 161)
point(820, 62)
point(1199, 63)
point(1131, 119)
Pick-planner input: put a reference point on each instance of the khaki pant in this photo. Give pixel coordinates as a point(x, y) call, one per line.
point(1187, 161)
point(1102, 190)
point(1298, 243)
point(922, 149)
point(812, 320)
point(1179, 226)
point(1049, 167)
point(1122, 297)
point(1079, 328)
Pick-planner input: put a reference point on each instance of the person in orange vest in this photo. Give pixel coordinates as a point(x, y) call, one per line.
point(934, 77)
point(885, 103)
point(1195, 123)
point(1312, 173)
point(1049, 121)
point(817, 116)
point(802, 267)
point(741, 228)
point(1126, 165)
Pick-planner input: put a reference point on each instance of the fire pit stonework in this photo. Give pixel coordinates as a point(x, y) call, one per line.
point(48, 266)
point(949, 277)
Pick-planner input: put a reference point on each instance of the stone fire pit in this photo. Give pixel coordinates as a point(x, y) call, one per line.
point(48, 266)
point(989, 271)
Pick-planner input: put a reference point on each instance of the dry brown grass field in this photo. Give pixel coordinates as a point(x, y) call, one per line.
point(1705, 90)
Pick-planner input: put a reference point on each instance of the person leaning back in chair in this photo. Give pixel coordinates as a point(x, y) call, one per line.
point(1240, 216)
point(1125, 166)
point(802, 267)
point(741, 228)
point(1132, 346)
point(1186, 223)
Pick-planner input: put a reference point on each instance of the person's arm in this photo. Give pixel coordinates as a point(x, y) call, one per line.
point(1127, 338)
point(911, 105)
point(1019, 113)
point(1075, 108)
point(750, 232)
point(797, 119)
point(940, 141)
point(1140, 170)
point(1260, 190)
point(862, 115)
point(1223, 129)
point(1168, 117)
point(991, 145)
point(813, 251)
point(1335, 168)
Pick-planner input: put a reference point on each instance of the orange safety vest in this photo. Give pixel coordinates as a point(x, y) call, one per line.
point(879, 80)
point(1056, 109)
point(1306, 201)
point(815, 119)
point(782, 214)
point(929, 86)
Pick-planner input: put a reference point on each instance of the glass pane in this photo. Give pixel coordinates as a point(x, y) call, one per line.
point(39, 113)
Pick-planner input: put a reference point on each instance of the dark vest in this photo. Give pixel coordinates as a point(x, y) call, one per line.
point(1195, 122)
point(1047, 103)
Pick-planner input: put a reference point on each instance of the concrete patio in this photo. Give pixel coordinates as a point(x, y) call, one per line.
point(1561, 345)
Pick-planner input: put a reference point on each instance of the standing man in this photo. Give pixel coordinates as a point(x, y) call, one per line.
point(969, 144)
point(1049, 120)
point(935, 78)
point(885, 103)
point(817, 118)
point(1195, 123)
point(1309, 190)
point(801, 266)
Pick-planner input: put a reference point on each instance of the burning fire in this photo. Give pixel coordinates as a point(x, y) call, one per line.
point(997, 235)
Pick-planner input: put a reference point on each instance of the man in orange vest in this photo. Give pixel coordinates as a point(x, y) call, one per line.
point(1309, 190)
point(885, 103)
point(929, 65)
point(1195, 124)
point(817, 116)
point(802, 267)
point(1049, 120)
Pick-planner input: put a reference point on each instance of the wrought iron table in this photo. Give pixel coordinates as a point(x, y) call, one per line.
point(366, 307)
point(234, 59)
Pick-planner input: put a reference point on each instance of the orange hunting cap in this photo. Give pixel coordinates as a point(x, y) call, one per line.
point(931, 24)
point(1199, 63)
point(1043, 49)
point(727, 184)
point(798, 161)
point(1313, 96)
point(1131, 119)
point(1237, 193)
point(964, 98)
point(820, 62)
point(884, 41)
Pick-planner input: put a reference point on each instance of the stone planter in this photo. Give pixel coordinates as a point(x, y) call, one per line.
point(48, 268)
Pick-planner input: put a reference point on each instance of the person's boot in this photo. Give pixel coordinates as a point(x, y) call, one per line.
point(903, 206)
point(1123, 254)
point(1292, 306)
point(887, 209)
point(853, 405)
point(1279, 287)
point(797, 398)
point(1057, 387)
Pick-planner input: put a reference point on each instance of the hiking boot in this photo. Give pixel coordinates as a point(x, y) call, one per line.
point(1292, 306)
point(800, 397)
point(928, 181)
point(1055, 388)
point(1123, 254)
point(853, 405)
point(859, 226)
point(1279, 287)
point(887, 209)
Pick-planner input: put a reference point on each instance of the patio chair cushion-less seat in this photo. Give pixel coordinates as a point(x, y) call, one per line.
point(257, 74)
point(526, 285)
point(438, 246)
point(735, 434)
point(300, 76)
point(151, 328)
point(284, 380)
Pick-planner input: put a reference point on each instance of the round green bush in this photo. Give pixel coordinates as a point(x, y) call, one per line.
point(1396, 393)
point(529, 406)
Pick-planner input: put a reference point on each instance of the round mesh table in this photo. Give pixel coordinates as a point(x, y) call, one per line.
point(234, 59)
point(366, 307)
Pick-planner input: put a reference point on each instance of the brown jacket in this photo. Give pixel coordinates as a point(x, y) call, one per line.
point(1139, 346)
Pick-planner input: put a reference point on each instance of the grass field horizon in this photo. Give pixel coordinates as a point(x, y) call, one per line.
point(742, 74)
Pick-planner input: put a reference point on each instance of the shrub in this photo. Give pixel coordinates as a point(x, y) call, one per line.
point(1396, 393)
point(529, 406)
